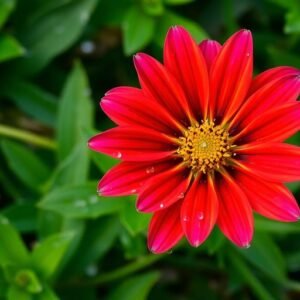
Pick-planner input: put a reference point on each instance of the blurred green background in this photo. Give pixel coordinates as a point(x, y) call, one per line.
point(58, 239)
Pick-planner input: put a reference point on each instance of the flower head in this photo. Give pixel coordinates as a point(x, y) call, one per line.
point(201, 142)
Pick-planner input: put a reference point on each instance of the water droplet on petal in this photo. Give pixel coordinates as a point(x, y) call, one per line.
point(117, 154)
point(246, 245)
point(200, 216)
point(133, 191)
point(247, 54)
point(181, 196)
point(185, 218)
point(161, 205)
point(150, 170)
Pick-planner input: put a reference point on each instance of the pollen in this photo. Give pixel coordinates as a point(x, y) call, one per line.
point(205, 146)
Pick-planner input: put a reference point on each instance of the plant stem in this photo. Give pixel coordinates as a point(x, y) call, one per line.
point(28, 137)
point(123, 271)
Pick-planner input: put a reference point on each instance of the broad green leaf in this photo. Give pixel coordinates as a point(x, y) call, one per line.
point(25, 164)
point(215, 241)
point(34, 101)
point(171, 19)
point(153, 7)
point(46, 294)
point(6, 7)
point(47, 255)
point(279, 57)
point(269, 226)
point(177, 2)
point(73, 169)
point(293, 21)
point(9, 48)
point(99, 236)
point(80, 202)
point(102, 161)
point(132, 220)
point(27, 280)
point(137, 287)
point(266, 256)
point(52, 33)
point(242, 269)
point(12, 249)
point(49, 223)
point(15, 293)
point(75, 112)
point(22, 216)
point(138, 30)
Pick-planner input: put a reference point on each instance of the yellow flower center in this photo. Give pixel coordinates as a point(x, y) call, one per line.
point(205, 146)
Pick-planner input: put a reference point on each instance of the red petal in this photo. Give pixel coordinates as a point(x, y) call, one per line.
point(271, 95)
point(271, 200)
point(132, 144)
point(129, 106)
point(184, 60)
point(231, 75)
point(165, 230)
point(272, 74)
point(127, 178)
point(162, 86)
point(235, 214)
point(199, 211)
point(210, 50)
point(273, 126)
point(272, 161)
point(163, 190)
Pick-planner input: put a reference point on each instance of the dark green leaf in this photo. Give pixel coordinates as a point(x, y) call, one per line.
point(177, 2)
point(15, 293)
point(138, 30)
point(22, 216)
point(6, 7)
point(52, 33)
point(266, 256)
point(32, 100)
point(153, 7)
point(132, 220)
point(137, 287)
point(9, 48)
point(25, 164)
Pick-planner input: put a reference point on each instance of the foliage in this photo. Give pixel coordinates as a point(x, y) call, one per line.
point(58, 239)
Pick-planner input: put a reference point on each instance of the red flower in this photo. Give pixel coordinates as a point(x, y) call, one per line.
point(201, 142)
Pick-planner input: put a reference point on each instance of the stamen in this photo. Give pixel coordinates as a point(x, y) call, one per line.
point(205, 146)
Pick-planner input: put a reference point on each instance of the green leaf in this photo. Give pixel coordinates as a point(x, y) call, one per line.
point(22, 216)
point(6, 7)
point(171, 19)
point(52, 33)
point(268, 226)
point(132, 220)
point(241, 268)
point(177, 2)
point(293, 21)
point(34, 101)
point(75, 112)
point(153, 7)
point(280, 57)
point(15, 293)
point(46, 294)
point(9, 48)
point(73, 170)
point(137, 287)
point(266, 256)
point(12, 249)
point(138, 30)
point(27, 280)
point(47, 255)
point(25, 164)
point(80, 202)
point(98, 238)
